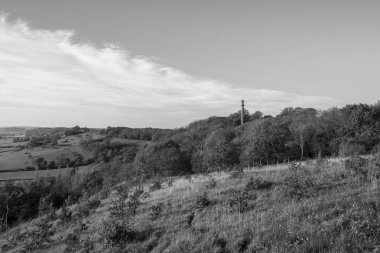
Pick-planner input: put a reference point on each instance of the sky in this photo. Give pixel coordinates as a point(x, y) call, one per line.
point(141, 63)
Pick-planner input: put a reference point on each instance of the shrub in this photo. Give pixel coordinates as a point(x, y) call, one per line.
point(74, 242)
point(64, 214)
point(155, 211)
point(373, 167)
point(44, 207)
point(351, 149)
point(190, 219)
point(92, 182)
point(237, 200)
point(93, 203)
point(298, 183)
point(39, 236)
point(211, 184)
point(358, 228)
point(237, 172)
point(82, 210)
point(134, 202)
point(116, 230)
point(243, 243)
point(356, 166)
point(104, 192)
point(258, 184)
point(202, 201)
point(116, 233)
point(219, 243)
point(118, 209)
point(155, 186)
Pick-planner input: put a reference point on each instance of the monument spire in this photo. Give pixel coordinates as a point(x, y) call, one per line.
point(242, 113)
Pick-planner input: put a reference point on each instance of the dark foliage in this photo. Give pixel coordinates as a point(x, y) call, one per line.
point(163, 158)
point(202, 201)
point(155, 211)
point(258, 183)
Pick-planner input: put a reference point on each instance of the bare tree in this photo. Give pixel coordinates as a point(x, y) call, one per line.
point(299, 133)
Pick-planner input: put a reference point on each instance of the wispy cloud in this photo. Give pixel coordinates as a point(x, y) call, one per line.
point(47, 79)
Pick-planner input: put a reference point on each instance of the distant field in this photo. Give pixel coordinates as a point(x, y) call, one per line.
point(14, 156)
point(14, 131)
point(30, 175)
point(13, 159)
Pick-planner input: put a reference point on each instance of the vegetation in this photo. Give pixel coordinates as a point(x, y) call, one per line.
point(205, 188)
point(316, 207)
point(219, 143)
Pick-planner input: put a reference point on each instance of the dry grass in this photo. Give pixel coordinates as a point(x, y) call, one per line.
point(324, 219)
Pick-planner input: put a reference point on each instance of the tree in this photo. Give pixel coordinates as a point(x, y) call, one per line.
point(78, 160)
point(255, 116)
point(54, 140)
point(220, 151)
point(264, 139)
point(163, 158)
point(236, 117)
point(301, 126)
point(8, 192)
point(299, 132)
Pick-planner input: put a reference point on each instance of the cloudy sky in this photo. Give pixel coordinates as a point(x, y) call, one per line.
point(166, 63)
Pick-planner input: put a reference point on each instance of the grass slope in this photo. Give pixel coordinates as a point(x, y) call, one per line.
point(317, 208)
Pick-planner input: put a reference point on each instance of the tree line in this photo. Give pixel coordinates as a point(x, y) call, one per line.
point(294, 134)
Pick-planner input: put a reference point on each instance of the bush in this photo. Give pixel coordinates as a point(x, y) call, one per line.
point(83, 210)
point(237, 172)
point(258, 184)
point(237, 200)
point(116, 233)
point(93, 203)
point(44, 207)
point(134, 202)
point(373, 167)
point(298, 183)
point(351, 149)
point(155, 186)
point(75, 243)
point(92, 182)
point(155, 211)
point(39, 236)
point(243, 243)
point(356, 166)
point(64, 214)
point(202, 201)
point(219, 243)
point(211, 184)
point(118, 207)
point(104, 192)
point(190, 219)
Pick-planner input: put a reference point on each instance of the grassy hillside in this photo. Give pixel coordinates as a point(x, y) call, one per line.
point(322, 206)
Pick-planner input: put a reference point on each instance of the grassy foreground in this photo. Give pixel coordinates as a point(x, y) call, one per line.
point(322, 206)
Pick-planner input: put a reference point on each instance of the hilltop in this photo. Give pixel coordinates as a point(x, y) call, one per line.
point(302, 181)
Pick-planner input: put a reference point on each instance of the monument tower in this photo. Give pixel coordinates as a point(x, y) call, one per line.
point(242, 113)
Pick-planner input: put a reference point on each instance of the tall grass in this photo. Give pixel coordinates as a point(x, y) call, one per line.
point(318, 207)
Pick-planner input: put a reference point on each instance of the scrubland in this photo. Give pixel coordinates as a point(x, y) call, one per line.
point(319, 206)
